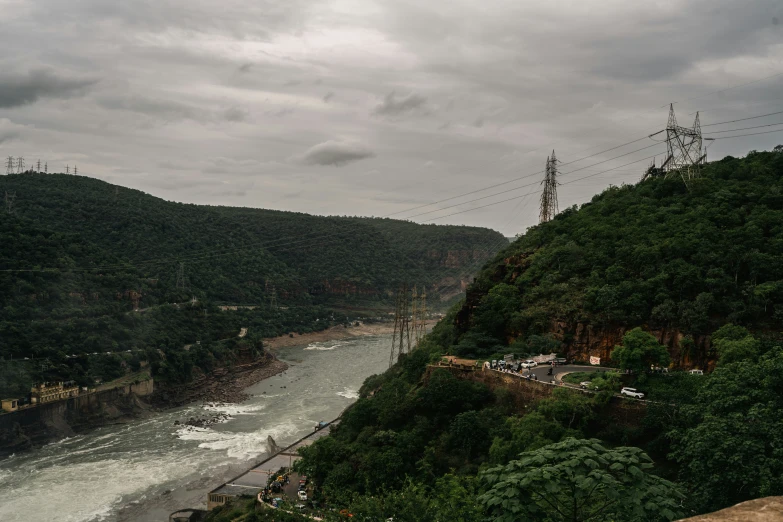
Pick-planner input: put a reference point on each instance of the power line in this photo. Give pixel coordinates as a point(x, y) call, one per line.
point(745, 128)
point(535, 182)
point(509, 181)
point(750, 134)
point(534, 192)
point(594, 130)
point(743, 119)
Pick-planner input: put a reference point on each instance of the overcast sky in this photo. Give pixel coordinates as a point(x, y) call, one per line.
point(372, 107)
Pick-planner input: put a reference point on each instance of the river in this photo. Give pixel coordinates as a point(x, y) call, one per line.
point(146, 469)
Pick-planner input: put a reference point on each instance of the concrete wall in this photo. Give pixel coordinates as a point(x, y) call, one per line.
point(39, 424)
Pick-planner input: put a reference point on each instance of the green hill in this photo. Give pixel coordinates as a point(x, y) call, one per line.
point(78, 255)
point(678, 260)
point(681, 262)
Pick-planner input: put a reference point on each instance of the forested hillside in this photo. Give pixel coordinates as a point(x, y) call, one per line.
point(89, 267)
point(703, 260)
point(680, 260)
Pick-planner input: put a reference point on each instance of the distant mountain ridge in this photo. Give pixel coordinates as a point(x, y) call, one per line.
point(239, 254)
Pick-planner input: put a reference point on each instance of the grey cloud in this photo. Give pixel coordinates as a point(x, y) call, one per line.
point(235, 114)
point(392, 105)
point(279, 113)
point(328, 96)
point(158, 108)
point(245, 67)
point(19, 90)
point(336, 153)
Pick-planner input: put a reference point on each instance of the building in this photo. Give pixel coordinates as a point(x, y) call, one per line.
point(10, 404)
point(53, 391)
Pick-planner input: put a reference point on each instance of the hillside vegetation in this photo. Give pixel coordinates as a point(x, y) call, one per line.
point(679, 260)
point(705, 259)
point(77, 255)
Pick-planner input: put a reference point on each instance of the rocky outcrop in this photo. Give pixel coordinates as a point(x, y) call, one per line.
point(221, 385)
point(769, 509)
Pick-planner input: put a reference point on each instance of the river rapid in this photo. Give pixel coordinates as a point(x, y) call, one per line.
point(146, 469)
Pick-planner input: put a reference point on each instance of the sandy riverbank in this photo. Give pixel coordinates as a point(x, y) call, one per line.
point(334, 333)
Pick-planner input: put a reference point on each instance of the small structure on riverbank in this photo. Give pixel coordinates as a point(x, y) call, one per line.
point(48, 391)
point(10, 404)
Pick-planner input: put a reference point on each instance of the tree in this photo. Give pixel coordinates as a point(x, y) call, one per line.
point(639, 351)
point(579, 481)
point(730, 448)
point(734, 343)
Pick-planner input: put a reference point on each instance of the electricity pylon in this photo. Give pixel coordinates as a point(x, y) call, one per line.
point(685, 152)
point(401, 339)
point(549, 195)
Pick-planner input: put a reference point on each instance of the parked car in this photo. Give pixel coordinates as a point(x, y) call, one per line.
point(561, 360)
point(300, 507)
point(586, 384)
point(632, 392)
point(696, 372)
point(302, 495)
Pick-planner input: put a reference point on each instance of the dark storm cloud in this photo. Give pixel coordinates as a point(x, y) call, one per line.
point(19, 90)
point(393, 105)
point(336, 153)
point(221, 93)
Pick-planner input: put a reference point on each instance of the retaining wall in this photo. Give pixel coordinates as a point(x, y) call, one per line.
point(39, 424)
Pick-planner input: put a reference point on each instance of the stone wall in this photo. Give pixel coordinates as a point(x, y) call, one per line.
point(526, 394)
point(40, 424)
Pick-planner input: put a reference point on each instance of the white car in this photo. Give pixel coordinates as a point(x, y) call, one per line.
point(531, 363)
point(302, 495)
point(696, 372)
point(632, 392)
point(586, 384)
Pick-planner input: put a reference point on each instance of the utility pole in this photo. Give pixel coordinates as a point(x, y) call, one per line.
point(9, 202)
point(19, 165)
point(9, 165)
point(549, 206)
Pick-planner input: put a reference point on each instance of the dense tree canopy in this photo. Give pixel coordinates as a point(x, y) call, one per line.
point(579, 481)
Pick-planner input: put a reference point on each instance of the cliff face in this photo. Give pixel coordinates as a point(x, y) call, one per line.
point(581, 341)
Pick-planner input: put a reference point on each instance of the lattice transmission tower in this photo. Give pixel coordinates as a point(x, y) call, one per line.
point(685, 151)
point(19, 165)
point(9, 165)
point(549, 195)
point(401, 339)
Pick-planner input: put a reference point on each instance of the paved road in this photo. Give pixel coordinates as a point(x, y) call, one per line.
point(541, 370)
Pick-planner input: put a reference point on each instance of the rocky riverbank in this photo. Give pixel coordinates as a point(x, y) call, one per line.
point(224, 385)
